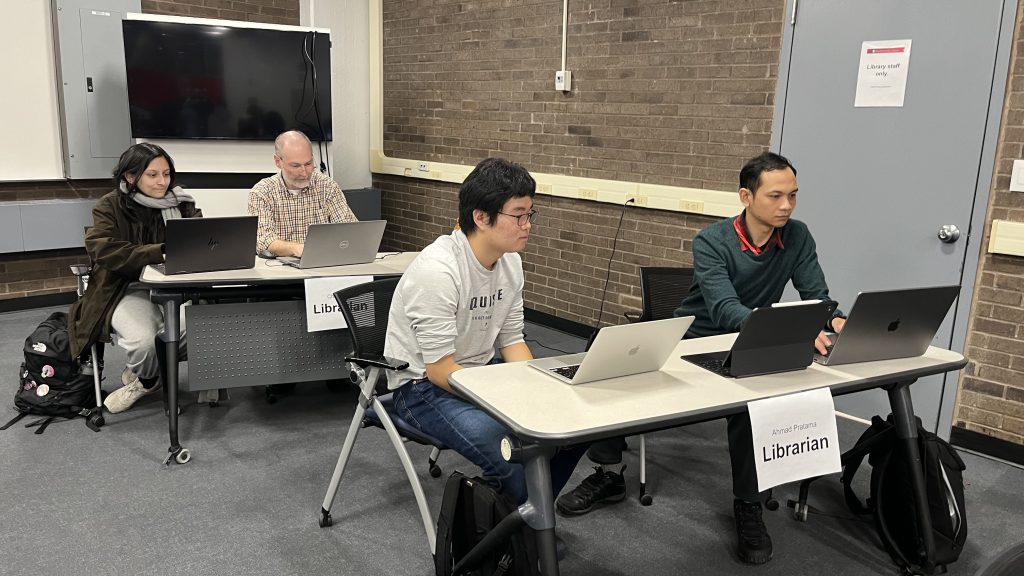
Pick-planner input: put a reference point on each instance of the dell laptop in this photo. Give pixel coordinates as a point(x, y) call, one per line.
point(619, 351)
point(339, 244)
point(776, 339)
point(890, 324)
point(208, 244)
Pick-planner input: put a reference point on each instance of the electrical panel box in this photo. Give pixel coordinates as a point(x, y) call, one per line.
point(91, 84)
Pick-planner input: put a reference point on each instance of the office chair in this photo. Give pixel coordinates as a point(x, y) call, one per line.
point(662, 289)
point(366, 307)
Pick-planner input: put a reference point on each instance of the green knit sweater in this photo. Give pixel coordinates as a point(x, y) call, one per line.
point(728, 283)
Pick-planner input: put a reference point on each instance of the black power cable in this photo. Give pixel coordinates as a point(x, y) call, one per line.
point(608, 273)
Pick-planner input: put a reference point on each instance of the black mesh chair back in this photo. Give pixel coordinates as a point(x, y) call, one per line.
point(365, 308)
point(663, 289)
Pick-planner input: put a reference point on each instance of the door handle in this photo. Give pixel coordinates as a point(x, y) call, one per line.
point(949, 233)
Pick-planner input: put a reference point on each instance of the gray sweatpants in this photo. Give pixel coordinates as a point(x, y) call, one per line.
point(136, 322)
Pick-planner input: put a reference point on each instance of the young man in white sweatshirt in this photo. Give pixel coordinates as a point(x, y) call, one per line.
point(459, 305)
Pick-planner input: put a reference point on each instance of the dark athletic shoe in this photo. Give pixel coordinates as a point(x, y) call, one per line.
point(755, 545)
point(599, 488)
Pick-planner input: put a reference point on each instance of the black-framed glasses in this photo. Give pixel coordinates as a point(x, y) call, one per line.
point(522, 219)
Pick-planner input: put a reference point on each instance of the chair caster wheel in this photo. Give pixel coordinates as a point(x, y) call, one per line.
point(325, 519)
point(800, 512)
point(97, 420)
point(435, 471)
point(646, 499)
point(772, 504)
point(181, 456)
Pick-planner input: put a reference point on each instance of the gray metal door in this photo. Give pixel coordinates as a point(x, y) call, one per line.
point(877, 184)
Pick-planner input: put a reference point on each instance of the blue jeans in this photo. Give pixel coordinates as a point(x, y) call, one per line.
point(469, 431)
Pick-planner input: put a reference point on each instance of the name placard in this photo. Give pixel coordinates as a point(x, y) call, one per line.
point(795, 437)
point(322, 312)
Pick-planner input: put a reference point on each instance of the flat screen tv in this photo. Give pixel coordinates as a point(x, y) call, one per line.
point(218, 82)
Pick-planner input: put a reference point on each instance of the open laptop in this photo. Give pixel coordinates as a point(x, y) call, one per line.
point(208, 244)
point(775, 339)
point(339, 244)
point(619, 351)
point(889, 324)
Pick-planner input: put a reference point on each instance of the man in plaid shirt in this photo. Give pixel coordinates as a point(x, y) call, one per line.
point(300, 195)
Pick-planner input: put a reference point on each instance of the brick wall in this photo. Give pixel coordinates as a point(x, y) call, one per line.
point(677, 93)
point(664, 92)
point(40, 273)
point(991, 399)
point(266, 11)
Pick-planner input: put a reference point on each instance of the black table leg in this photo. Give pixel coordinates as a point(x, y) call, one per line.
point(906, 431)
point(539, 509)
point(171, 303)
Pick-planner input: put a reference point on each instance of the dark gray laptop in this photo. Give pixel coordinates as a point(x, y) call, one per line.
point(776, 339)
point(340, 244)
point(889, 324)
point(208, 244)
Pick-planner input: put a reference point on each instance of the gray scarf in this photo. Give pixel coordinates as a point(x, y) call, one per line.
point(168, 205)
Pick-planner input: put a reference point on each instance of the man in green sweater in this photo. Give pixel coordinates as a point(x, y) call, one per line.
point(740, 263)
point(743, 263)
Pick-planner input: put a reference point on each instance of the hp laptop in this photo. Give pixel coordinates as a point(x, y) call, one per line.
point(207, 244)
point(339, 243)
point(619, 351)
point(890, 324)
point(775, 339)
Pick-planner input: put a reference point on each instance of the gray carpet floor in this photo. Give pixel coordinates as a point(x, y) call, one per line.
point(76, 501)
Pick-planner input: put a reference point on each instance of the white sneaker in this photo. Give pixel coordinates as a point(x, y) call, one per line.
point(124, 397)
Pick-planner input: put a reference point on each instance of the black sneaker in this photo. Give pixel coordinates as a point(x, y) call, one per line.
point(755, 545)
point(601, 487)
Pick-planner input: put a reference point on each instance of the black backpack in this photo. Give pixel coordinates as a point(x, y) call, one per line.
point(51, 383)
point(892, 501)
point(470, 509)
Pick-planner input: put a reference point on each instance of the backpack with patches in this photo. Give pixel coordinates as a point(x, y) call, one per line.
point(892, 499)
point(51, 383)
point(470, 509)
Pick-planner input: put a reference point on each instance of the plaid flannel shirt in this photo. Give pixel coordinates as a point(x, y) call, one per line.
point(286, 216)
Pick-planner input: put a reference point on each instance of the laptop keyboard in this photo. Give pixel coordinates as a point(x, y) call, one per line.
point(709, 363)
point(566, 371)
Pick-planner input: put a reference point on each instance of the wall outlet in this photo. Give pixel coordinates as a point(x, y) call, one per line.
point(587, 194)
point(544, 188)
point(407, 172)
point(694, 206)
point(1017, 176)
point(423, 167)
point(563, 80)
point(640, 200)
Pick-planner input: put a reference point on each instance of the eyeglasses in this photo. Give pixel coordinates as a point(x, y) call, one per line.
point(522, 219)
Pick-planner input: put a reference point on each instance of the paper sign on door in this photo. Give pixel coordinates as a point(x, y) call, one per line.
point(794, 437)
point(882, 74)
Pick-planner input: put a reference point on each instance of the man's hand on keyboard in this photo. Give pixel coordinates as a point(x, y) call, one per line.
point(822, 343)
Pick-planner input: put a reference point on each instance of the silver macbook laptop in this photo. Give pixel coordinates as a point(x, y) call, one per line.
point(207, 244)
point(890, 324)
point(339, 244)
point(619, 351)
